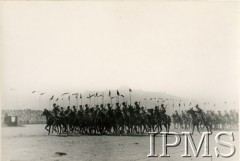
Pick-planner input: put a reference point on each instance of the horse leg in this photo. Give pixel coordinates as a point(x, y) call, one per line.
point(53, 128)
point(127, 127)
point(49, 129)
point(165, 125)
point(154, 128)
point(60, 129)
point(148, 128)
point(135, 129)
point(207, 127)
point(144, 128)
point(193, 129)
point(46, 127)
point(57, 129)
point(122, 128)
point(198, 129)
point(140, 128)
point(159, 130)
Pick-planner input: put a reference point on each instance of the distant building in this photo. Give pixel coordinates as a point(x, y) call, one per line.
point(10, 120)
point(22, 117)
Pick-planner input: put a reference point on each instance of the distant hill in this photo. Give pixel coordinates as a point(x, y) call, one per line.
point(147, 99)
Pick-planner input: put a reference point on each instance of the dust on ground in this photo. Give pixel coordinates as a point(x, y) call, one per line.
point(31, 143)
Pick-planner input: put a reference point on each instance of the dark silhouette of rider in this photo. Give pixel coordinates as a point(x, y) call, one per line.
point(109, 106)
point(199, 110)
point(55, 110)
point(137, 106)
point(163, 109)
point(183, 115)
point(61, 113)
point(118, 106)
point(74, 110)
point(176, 113)
point(81, 108)
point(68, 111)
point(200, 113)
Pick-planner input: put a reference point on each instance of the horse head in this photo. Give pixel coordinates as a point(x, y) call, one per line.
point(189, 111)
point(45, 112)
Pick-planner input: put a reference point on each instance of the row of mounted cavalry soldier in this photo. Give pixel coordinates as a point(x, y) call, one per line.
point(127, 119)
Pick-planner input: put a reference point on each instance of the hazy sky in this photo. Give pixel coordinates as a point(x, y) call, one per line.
point(182, 48)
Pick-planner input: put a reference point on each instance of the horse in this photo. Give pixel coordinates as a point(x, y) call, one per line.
point(119, 126)
point(177, 120)
point(101, 121)
point(143, 122)
point(49, 120)
point(166, 121)
point(196, 120)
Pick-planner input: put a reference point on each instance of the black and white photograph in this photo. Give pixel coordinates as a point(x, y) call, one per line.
point(119, 80)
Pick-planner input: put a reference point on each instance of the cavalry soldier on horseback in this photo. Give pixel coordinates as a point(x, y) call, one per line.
point(183, 115)
point(61, 113)
point(109, 106)
point(118, 106)
point(86, 106)
point(130, 108)
point(55, 110)
point(75, 110)
point(200, 112)
point(81, 108)
point(220, 116)
point(201, 115)
point(103, 109)
point(67, 111)
point(208, 113)
point(176, 113)
point(203, 118)
point(110, 117)
point(124, 106)
point(137, 106)
point(86, 109)
point(142, 111)
point(163, 112)
point(232, 114)
point(109, 110)
point(226, 114)
point(156, 110)
point(97, 108)
point(163, 109)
